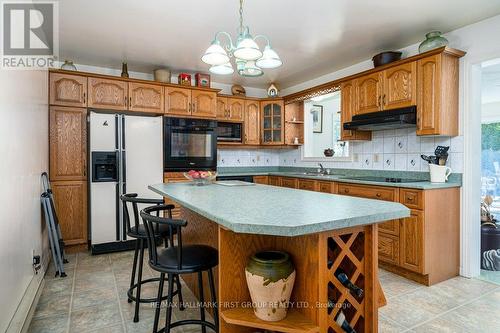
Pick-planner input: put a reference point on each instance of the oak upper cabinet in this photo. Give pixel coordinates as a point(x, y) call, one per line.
point(400, 86)
point(347, 107)
point(68, 143)
point(145, 97)
point(222, 108)
point(236, 108)
point(230, 109)
point(177, 101)
point(437, 86)
point(203, 103)
point(107, 94)
point(272, 122)
point(252, 123)
point(412, 242)
point(70, 199)
point(368, 93)
point(68, 90)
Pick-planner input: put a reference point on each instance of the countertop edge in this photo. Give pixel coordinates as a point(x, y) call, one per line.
point(333, 178)
point(292, 231)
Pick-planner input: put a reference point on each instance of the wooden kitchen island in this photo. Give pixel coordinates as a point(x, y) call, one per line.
point(321, 232)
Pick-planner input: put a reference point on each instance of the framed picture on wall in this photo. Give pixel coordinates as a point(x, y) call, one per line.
point(317, 118)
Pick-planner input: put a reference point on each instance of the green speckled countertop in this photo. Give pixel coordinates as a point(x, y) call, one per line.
point(270, 210)
point(342, 175)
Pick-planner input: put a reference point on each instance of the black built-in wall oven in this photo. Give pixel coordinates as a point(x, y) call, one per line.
point(189, 144)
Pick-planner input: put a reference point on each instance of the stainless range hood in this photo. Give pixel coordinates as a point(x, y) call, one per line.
point(381, 120)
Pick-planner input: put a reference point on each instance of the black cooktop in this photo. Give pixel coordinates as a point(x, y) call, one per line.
point(386, 180)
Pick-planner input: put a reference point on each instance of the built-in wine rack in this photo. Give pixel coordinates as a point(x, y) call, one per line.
point(346, 252)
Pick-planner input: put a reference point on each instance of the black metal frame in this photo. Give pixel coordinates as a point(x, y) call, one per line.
point(151, 222)
point(139, 252)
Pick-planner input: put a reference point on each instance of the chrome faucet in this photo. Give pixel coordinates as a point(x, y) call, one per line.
point(322, 169)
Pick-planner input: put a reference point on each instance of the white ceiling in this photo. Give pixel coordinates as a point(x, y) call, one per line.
point(313, 37)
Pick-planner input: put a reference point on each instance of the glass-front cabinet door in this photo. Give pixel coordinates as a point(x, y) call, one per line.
point(272, 122)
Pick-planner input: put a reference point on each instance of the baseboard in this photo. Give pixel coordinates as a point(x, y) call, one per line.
point(26, 308)
point(21, 320)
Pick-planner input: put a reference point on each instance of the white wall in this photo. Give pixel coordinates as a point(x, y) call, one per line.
point(24, 152)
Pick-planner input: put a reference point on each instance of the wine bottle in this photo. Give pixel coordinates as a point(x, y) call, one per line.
point(342, 322)
point(344, 279)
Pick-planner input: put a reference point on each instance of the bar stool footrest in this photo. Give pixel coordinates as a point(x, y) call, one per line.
point(190, 322)
point(147, 300)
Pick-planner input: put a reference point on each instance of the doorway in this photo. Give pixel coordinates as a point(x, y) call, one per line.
point(490, 171)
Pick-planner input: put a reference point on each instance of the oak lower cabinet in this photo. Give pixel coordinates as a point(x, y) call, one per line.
point(67, 143)
point(307, 184)
point(326, 187)
point(412, 242)
point(251, 131)
point(388, 248)
point(107, 94)
point(261, 179)
point(70, 198)
point(289, 182)
point(275, 180)
point(67, 90)
point(145, 97)
point(425, 246)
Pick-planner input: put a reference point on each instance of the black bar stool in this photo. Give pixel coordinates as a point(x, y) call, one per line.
point(139, 233)
point(178, 260)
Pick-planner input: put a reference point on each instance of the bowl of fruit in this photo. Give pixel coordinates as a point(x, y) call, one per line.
point(201, 177)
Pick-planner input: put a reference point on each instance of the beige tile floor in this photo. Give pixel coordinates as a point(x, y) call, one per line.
point(93, 299)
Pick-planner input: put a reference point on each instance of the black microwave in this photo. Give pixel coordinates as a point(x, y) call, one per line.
point(229, 132)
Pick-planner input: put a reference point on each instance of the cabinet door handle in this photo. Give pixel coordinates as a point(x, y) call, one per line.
point(130, 101)
point(383, 100)
point(84, 97)
point(125, 100)
point(189, 106)
point(194, 107)
point(379, 97)
point(379, 195)
point(346, 190)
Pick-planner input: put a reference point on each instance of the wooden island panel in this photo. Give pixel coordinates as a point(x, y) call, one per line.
point(355, 251)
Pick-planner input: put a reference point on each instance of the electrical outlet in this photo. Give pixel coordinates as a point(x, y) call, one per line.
point(36, 262)
point(375, 158)
point(355, 157)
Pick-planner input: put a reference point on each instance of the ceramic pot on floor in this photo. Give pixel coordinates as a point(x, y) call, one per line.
point(270, 277)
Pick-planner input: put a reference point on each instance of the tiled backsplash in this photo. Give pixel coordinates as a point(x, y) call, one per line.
point(389, 150)
point(247, 157)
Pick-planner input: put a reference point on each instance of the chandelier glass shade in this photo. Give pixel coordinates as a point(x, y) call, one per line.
point(249, 58)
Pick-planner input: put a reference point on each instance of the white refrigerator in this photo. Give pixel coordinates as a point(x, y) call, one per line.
point(126, 154)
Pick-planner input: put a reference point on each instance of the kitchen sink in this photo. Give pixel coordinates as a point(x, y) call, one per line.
point(314, 174)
